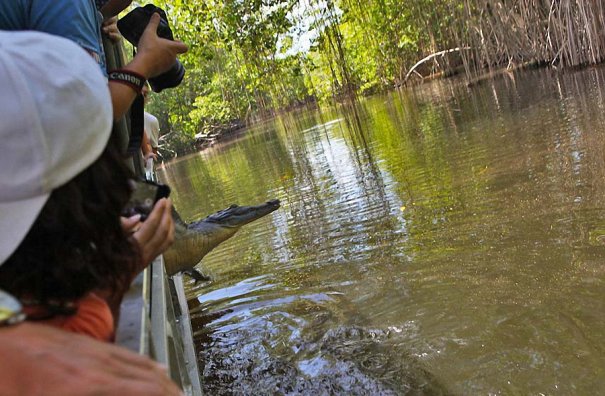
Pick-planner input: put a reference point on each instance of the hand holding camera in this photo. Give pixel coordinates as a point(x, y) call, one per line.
point(156, 234)
point(156, 48)
point(155, 56)
point(153, 230)
point(144, 195)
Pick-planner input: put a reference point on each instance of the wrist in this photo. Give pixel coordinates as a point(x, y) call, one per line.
point(140, 65)
point(133, 79)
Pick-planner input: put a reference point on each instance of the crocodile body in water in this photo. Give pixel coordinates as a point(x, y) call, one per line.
point(195, 240)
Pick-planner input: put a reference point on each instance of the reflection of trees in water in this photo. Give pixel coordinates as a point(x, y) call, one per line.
point(210, 181)
point(513, 170)
point(446, 201)
point(329, 179)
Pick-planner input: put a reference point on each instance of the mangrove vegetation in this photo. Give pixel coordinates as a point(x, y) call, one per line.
point(249, 59)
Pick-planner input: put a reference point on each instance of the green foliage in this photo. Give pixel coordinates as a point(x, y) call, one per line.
point(247, 58)
point(252, 58)
point(210, 110)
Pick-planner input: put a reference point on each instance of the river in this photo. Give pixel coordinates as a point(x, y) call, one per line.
point(435, 240)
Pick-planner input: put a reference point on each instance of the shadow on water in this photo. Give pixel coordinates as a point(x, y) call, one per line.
point(438, 240)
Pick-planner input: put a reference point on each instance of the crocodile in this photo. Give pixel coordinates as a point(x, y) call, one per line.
point(195, 240)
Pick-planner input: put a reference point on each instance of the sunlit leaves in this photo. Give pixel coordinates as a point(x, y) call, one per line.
point(250, 57)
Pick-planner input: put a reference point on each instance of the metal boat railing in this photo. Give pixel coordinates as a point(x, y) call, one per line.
point(155, 322)
point(154, 316)
point(169, 339)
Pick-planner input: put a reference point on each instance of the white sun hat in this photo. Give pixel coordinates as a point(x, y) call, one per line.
point(55, 121)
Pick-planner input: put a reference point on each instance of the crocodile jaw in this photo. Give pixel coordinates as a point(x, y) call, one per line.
point(193, 241)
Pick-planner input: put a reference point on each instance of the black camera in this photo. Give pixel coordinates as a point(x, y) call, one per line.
point(145, 194)
point(132, 27)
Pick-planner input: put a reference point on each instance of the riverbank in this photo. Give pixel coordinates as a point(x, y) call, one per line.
point(202, 141)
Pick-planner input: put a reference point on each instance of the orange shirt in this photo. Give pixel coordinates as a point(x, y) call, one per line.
point(93, 318)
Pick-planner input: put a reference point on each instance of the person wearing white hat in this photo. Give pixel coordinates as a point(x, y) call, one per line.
point(62, 188)
point(56, 157)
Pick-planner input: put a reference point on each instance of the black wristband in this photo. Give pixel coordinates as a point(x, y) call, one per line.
point(130, 78)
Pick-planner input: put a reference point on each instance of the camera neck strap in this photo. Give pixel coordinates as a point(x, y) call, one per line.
point(137, 125)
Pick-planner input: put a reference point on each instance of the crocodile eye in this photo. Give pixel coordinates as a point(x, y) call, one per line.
point(233, 206)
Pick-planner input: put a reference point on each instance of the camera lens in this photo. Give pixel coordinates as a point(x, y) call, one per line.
point(168, 79)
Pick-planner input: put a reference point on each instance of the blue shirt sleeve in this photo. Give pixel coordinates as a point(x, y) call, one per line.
point(77, 20)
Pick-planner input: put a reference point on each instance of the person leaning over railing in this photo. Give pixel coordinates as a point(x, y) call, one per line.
point(62, 188)
point(79, 20)
point(151, 137)
point(79, 229)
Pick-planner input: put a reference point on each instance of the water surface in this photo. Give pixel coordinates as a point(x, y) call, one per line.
point(440, 240)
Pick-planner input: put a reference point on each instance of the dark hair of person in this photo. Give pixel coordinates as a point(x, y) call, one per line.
point(76, 244)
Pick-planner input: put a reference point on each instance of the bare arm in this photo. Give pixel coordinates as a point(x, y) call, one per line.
point(155, 56)
point(39, 359)
point(145, 146)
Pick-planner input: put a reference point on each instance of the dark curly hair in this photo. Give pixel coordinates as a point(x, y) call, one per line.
point(76, 244)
